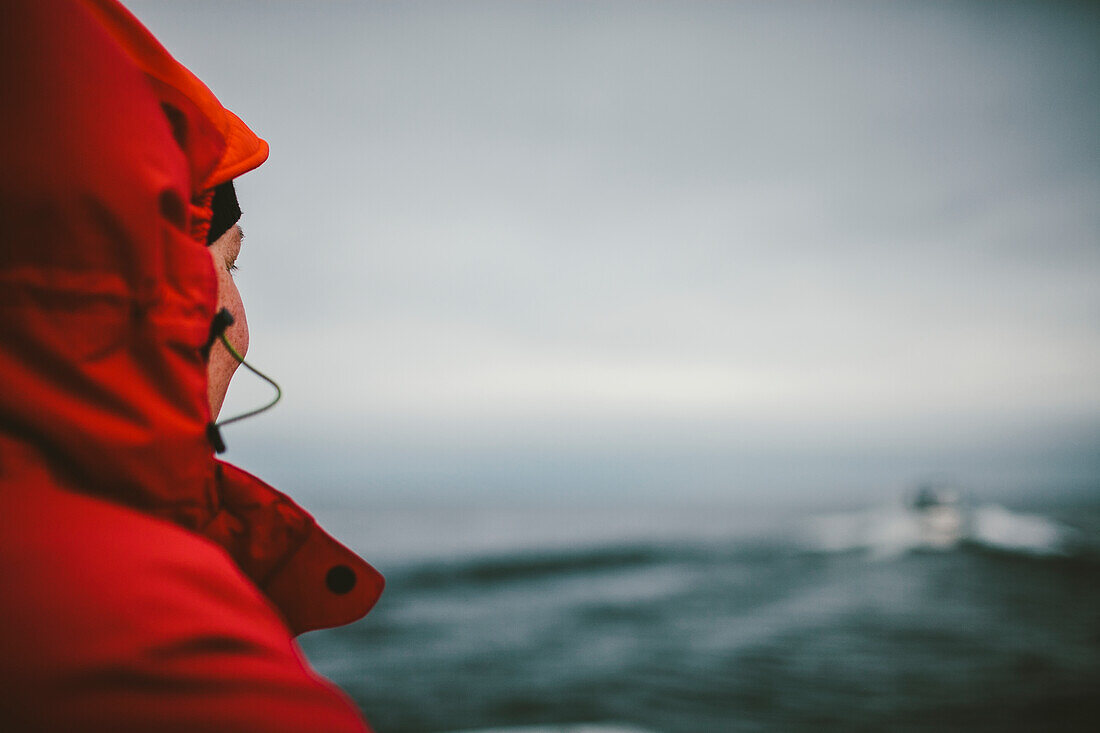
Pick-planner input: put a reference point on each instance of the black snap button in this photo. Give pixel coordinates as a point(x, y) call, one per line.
point(340, 579)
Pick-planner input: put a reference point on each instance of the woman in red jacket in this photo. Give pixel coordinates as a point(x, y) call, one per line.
point(143, 584)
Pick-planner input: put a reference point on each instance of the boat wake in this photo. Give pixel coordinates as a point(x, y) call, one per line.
point(892, 531)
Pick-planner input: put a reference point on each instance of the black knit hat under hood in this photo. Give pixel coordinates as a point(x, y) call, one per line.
point(227, 211)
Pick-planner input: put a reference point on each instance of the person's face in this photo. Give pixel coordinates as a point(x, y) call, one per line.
point(224, 251)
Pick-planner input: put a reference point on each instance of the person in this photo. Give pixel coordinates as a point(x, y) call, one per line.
point(144, 584)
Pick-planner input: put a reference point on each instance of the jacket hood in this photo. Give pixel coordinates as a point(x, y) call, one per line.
point(111, 150)
point(218, 145)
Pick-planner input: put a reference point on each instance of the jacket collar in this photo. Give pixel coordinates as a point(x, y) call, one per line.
point(311, 578)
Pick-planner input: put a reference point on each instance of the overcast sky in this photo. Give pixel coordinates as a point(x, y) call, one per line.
point(638, 250)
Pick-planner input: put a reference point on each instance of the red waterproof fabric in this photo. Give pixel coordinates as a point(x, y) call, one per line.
point(143, 584)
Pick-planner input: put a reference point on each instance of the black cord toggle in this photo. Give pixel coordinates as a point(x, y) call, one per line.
point(214, 436)
point(223, 319)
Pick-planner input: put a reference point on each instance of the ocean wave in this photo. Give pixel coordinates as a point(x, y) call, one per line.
point(573, 728)
point(881, 533)
point(534, 565)
point(893, 531)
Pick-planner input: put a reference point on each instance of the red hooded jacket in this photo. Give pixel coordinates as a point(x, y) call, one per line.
point(143, 584)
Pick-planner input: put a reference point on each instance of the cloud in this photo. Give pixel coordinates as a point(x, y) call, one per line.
point(789, 226)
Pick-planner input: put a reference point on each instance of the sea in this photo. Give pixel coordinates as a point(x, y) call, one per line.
point(689, 619)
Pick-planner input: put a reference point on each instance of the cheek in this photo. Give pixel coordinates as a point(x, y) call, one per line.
point(238, 332)
point(222, 365)
point(230, 299)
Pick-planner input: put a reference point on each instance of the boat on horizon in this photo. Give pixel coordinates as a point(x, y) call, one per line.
point(939, 514)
